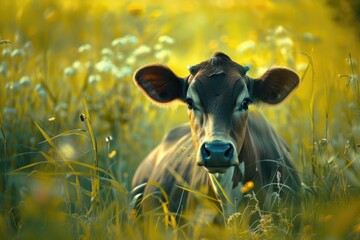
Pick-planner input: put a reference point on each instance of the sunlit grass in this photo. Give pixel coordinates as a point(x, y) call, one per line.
point(64, 63)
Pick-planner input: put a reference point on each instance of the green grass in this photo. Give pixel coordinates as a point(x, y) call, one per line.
point(73, 127)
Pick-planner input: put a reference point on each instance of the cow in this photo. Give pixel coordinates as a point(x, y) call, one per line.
point(226, 150)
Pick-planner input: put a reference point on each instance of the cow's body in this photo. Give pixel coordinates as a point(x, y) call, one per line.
point(193, 169)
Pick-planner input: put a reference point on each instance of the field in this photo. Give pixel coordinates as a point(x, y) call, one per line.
point(73, 126)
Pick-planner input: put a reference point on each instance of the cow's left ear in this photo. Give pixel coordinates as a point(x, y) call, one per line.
point(160, 83)
point(274, 86)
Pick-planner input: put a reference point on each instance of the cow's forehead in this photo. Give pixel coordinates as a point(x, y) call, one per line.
point(218, 93)
point(217, 78)
point(219, 85)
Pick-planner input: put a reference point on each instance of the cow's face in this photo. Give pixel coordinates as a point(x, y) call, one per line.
point(218, 99)
point(218, 94)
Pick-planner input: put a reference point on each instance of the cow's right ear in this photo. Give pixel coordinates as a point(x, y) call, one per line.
point(275, 85)
point(160, 83)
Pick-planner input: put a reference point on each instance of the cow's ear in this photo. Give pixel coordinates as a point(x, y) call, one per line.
point(274, 86)
point(160, 84)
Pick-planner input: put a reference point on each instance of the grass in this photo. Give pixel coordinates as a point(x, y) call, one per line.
point(73, 127)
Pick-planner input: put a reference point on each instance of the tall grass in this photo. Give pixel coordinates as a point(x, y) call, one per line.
point(73, 128)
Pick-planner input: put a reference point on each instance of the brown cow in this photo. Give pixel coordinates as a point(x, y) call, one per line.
point(225, 147)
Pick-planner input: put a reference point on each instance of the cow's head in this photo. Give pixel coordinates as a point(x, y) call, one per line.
point(218, 93)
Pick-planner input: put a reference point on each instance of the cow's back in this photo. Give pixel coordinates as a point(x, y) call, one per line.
point(156, 157)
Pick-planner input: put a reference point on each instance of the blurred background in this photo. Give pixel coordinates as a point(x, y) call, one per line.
point(73, 127)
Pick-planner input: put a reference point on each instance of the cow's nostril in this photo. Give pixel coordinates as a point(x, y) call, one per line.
point(206, 152)
point(229, 152)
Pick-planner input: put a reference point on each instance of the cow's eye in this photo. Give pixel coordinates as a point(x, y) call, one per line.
point(245, 104)
point(190, 103)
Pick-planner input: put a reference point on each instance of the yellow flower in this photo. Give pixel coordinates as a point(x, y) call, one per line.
point(213, 45)
point(136, 9)
point(307, 228)
point(357, 228)
point(112, 154)
point(247, 187)
point(133, 214)
point(155, 14)
point(328, 218)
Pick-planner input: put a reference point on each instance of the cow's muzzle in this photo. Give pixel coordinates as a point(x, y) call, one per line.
point(217, 156)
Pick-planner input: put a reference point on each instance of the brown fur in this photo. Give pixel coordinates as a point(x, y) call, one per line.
point(218, 87)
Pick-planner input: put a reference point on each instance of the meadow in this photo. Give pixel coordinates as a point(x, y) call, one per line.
point(73, 126)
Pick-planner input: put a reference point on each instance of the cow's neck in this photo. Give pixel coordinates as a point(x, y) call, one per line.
point(229, 195)
point(228, 186)
point(249, 156)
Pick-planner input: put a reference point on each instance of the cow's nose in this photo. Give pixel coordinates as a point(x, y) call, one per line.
point(217, 154)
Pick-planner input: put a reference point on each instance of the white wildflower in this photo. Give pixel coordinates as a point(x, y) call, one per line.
point(143, 49)
point(128, 39)
point(40, 90)
point(166, 39)
point(284, 42)
point(105, 65)
point(6, 52)
point(280, 31)
point(107, 52)
point(69, 71)
point(163, 55)
point(84, 48)
point(123, 72)
point(77, 65)
point(131, 60)
point(25, 81)
point(246, 46)
point(94, 78)
point(17, 53)
point(158, 46)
